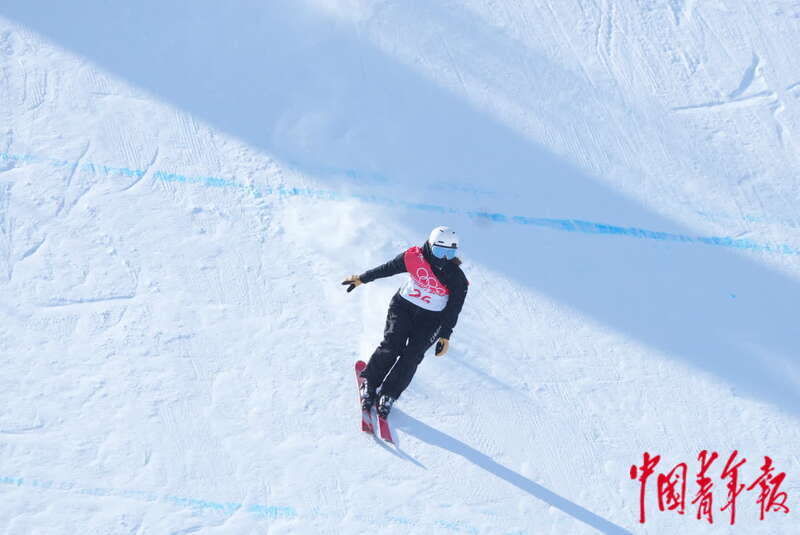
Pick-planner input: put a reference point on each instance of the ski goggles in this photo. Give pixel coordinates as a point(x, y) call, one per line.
point(447, 253)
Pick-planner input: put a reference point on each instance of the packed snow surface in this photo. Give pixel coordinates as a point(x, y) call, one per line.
point(183, 186)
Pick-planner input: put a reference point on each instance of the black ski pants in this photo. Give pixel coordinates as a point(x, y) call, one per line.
point(410, 330)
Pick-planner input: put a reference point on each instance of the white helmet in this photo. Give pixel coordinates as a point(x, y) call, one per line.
point(444, 236)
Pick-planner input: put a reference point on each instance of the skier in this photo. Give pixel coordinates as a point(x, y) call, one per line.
point(425, 307)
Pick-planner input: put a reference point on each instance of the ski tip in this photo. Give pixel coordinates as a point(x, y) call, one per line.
point(366, 423)
point(386, 433)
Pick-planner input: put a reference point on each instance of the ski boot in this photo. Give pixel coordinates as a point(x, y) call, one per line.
point(385, 405)
point(367, 396)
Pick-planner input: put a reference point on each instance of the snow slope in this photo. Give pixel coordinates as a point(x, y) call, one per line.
point(182, 189)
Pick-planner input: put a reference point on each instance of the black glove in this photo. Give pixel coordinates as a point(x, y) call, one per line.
point(351, 282)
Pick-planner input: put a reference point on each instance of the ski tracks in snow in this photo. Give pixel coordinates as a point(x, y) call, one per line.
point(6, 229)
point(604, 36)
point(682, 10)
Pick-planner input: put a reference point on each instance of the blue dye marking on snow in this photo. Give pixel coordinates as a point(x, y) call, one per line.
point(271, 511)
point(456, 526)
point(225, 508)
point(208, 181)
point(104, 169)
point(353, 174)
point(264, 512)
point(565, 225)
point(374, 178)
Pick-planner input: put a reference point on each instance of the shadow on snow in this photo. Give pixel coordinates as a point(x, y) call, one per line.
point(431, 436)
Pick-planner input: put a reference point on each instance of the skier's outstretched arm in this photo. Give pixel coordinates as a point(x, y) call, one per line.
point(392, 267)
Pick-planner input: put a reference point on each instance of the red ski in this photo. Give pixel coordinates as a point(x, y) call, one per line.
point(386, 433)
point(366, 417)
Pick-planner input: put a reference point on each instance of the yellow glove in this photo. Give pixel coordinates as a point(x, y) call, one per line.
point(351, 282)
point(441, 346)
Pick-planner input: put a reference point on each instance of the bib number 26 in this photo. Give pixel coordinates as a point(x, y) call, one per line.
point(416, 293)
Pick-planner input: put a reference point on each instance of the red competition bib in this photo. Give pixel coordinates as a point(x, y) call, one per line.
point(422, 287)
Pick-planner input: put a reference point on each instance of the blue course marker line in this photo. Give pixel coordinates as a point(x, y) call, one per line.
point(226, 509)
point(271, 512)
point(564, 225)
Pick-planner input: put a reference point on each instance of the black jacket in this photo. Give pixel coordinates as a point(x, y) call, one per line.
point(447, 271)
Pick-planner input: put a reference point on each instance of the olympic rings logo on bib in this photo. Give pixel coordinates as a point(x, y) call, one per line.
point(429, 282)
